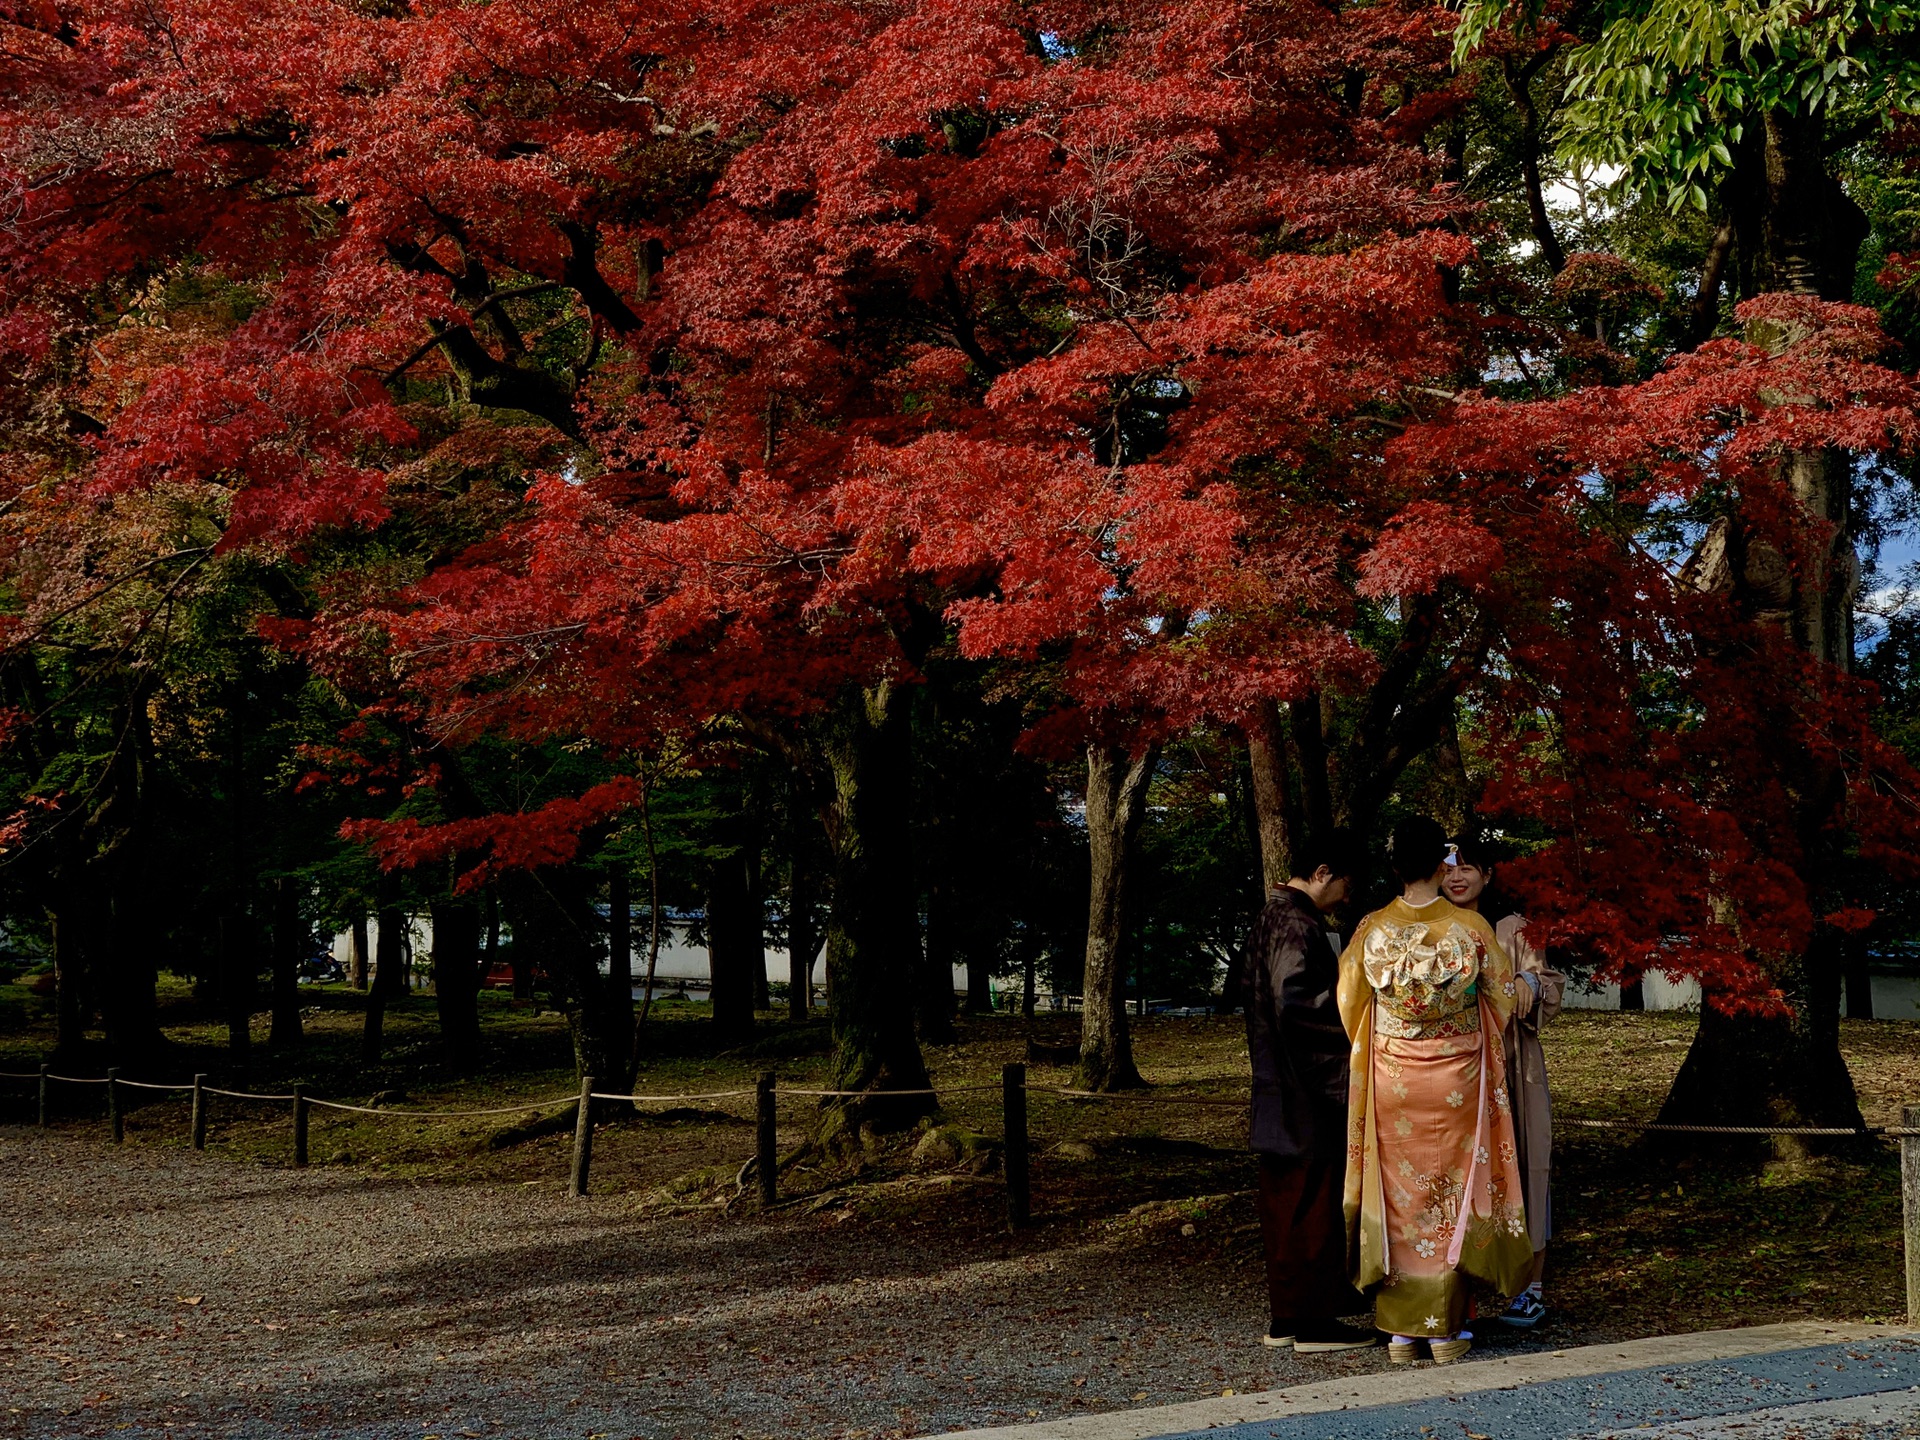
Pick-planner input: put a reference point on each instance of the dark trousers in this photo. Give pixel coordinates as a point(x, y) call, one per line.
point(1304, 1233)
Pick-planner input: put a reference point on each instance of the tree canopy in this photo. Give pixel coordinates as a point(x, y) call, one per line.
point(502, 416)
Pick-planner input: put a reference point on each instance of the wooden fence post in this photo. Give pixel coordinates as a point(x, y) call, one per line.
point(1910, 1205)
point(115, 1121)
point(1013, 1106)
point(765, 1145)
point(46, 1087)
point(300, 1112)
point(582, 1140)
point(199, 1112)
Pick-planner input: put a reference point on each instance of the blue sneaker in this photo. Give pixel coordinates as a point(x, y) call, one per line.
point(1526, 1311)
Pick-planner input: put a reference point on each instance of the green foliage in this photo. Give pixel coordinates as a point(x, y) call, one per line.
point(1666, 88)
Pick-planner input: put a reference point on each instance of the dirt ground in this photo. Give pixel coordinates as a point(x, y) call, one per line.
point(434, 1274)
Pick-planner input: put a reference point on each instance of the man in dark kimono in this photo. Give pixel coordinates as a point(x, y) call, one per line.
point(1299, 1126)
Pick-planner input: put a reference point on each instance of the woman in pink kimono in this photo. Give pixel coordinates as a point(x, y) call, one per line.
point(1536, 1001)
point(1433, 1193)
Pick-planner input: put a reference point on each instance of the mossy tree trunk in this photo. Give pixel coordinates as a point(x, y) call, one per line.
point(1798, 233)
point(873, 934)
point(1116, 804)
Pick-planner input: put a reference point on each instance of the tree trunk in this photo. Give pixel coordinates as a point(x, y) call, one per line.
point(873, 935)
point(1798, 233)
point(620, 941)
point(1859, 979)
point(456, 978)
point(357, 953)
point(934, 998)
point(803, 938)
point(239, 980)
point(289, 943)
point(1267, 760)
point(553, 915)
point(387, 960)
point(1307, 725)
point(69, 977)
point(121, 970)
point(731, 929)
point(755, 935)
point(1116, 804)
point(979, 982)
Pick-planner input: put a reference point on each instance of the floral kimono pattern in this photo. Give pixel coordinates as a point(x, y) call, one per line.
point(1434, 1189)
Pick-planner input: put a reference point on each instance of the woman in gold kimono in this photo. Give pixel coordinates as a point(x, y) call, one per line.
point(1433, 1196)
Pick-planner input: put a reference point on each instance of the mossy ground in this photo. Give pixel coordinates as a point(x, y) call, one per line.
point(1649, 1239)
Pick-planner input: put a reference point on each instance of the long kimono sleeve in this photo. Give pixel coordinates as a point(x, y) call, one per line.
point(1354, 993)
point(1361, 1196)
point(1528, 958)
point(1497, 978)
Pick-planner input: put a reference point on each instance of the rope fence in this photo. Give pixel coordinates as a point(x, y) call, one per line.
point(1016, 1141)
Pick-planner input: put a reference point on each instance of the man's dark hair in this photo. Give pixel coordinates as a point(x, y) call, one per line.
point(1339, 850)
point(1418, 848)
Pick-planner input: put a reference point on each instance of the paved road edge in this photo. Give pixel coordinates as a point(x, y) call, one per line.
point(1428, 1382)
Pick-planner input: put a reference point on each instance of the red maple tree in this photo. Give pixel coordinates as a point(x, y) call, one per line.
point(1140, 346)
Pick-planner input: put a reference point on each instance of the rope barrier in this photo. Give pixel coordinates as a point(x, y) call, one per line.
point(879, 1094)
point(636, 1099)
point(1890, 1132)
point(246, 1094)
point(444, 1114)
point(1132, 1099)
point(1062, 1092)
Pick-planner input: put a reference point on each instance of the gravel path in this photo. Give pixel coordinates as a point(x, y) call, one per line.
point(151, 1291)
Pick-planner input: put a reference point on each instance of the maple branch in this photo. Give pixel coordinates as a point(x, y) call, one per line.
point(581, 270)
point(110, 587)
point(1706, 303)
point(964, 334)
point(434, 341)
point(527, 637)
point(1519, 84)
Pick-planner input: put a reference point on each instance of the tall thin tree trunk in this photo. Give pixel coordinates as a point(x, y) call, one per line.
point(933, 1000)
point(456, 978)
point(1116, 804)
point(730, 927)
point(239, 979)
point(979, 981)
point(69, 977)
point(490, 924)
point(620, 947)
point(357, 952)
point(1267, 760)
point(653, 912)
point(289, 943)
point(873, 936)
point(803, 937)
point(755, 935)
point(1306, 723)
point(388, 958)
point(124, 965)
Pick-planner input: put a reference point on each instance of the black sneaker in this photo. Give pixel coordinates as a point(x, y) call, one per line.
point(1279, 1334)
point(1323, 1336)
point(1526, 1311)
